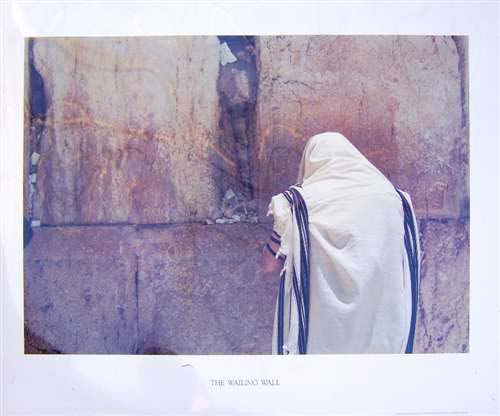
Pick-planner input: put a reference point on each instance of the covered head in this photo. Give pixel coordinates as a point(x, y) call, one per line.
point(330, 156)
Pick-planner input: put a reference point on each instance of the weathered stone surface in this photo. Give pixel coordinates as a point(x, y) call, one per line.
point(399, 99)
point(201, 292)
point(182, 289)
point(443, 315)
point(130, 129)
point(80, 291)
point(196, 289)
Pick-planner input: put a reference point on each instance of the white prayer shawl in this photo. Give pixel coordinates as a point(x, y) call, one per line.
point(360, 286)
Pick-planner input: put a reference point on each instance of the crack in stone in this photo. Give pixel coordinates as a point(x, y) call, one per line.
point(286, 81)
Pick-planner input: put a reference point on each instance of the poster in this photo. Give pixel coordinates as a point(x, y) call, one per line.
point(139, 371)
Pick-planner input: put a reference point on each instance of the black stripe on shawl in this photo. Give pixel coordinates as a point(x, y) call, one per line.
point(281, 304)
point(299, 211)
point(410, 241)
point(275, 240)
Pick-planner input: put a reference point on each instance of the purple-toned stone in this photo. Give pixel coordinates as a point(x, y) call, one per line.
point(399, 99)
point(443, 313)
point(80, 290)
point(184, 289)
point(201, 291)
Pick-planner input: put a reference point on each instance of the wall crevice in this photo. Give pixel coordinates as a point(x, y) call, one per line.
point(237, 86)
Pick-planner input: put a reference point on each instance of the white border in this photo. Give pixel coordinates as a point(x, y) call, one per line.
point(348, 384)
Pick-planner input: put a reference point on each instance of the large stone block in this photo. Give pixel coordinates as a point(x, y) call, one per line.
point(201, 291)
point(129, 130)
point(443, 314)
point(184, 289)
point(80, 290)
point(400, 99)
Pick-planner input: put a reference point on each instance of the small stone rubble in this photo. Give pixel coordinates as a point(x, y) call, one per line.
point(234, 208)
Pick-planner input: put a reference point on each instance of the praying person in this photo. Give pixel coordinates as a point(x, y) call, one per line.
point(345, 253)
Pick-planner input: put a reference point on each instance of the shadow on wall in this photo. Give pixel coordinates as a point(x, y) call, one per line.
point(34, 344)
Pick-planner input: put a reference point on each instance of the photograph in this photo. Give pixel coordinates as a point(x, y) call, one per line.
point(246, 194)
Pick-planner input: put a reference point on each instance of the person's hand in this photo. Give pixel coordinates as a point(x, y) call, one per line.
point(270, 265)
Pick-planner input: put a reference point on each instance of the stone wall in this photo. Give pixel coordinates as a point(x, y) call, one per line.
point(149, 163)
point(188, 288)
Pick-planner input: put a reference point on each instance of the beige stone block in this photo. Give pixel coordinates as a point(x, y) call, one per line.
point(130, 131)
point(399, 99)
